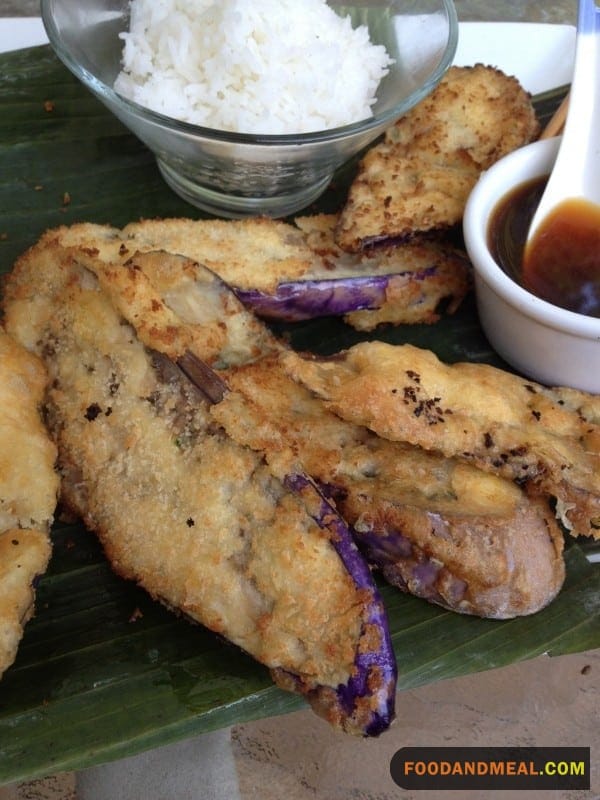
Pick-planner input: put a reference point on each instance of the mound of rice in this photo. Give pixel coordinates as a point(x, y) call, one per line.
point(251, 66)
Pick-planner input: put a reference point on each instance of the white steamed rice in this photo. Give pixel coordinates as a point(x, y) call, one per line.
point(251, 66)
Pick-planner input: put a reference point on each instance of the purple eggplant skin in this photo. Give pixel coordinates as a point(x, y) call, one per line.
point(365, 704)
point(368, 698)
point(301, 300)
point(407, 567)
point(402, 562)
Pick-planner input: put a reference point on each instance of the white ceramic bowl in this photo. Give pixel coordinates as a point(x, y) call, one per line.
point(240, 174)
point(542, 341)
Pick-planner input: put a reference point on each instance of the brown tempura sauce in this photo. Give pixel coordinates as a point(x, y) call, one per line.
point(562, 263)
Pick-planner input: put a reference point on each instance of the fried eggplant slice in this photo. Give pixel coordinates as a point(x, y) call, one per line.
point(442, 530)
point(26, 505)
point(365, 703)
point(412, 281)
point(545, 439)
point(401, 500)
point(419, 177)
point(200, 522)
point(295, 272)
point(437, 528)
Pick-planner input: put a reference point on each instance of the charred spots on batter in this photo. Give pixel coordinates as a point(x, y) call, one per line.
point(92, 412)
point(488, 440)
point(536, 414)
point(114, 384)
point(48, 347)
point(190, 522)
point(153, 399)
point(501, 460)
point(414, 376)
point(430, 410)
point(409, 394)
point(518, 452)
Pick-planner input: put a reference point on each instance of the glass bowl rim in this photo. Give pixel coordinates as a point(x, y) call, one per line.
point(232, 137)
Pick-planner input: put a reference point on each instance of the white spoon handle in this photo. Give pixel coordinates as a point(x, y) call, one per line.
point(576, 172)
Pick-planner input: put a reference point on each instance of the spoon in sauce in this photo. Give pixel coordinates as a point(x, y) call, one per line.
point(561, 259)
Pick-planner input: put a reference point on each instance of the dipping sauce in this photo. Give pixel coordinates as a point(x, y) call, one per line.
point(562, 263)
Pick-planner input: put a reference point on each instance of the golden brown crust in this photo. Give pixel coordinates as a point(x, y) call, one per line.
point(197, 520)
point(501, 422)
point(409, 297)
point(483, 532)
point(25, 448)
point(158, 293)
point(24, 555)
point(259, 254)
point(252, 253)
point(418, 179)
point(28, 491)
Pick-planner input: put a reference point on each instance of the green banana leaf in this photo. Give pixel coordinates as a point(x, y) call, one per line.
point(103, 672)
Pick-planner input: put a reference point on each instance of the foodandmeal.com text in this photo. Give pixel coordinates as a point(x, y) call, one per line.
point(491, 768)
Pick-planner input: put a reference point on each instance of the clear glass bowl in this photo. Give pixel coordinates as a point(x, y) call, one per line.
point(237, 175)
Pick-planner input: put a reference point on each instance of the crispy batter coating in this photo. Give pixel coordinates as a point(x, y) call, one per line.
point(502, 550)
point(24, 555)
point(28, 491)
point(251, 253)
point(493, 534)
point(158, 291)
point(419, 177)
point(262, 253)
point(180, 508)
point(497, 553)
point(409, 297)
point(546, 439)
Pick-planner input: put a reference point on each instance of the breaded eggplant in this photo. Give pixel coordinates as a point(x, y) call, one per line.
point(444, 531)
point(419, 177)
point(296, 272)
point(399, 284)
point(199, 521)
point(545, 439)
point(440, 529)
point(27, 505)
